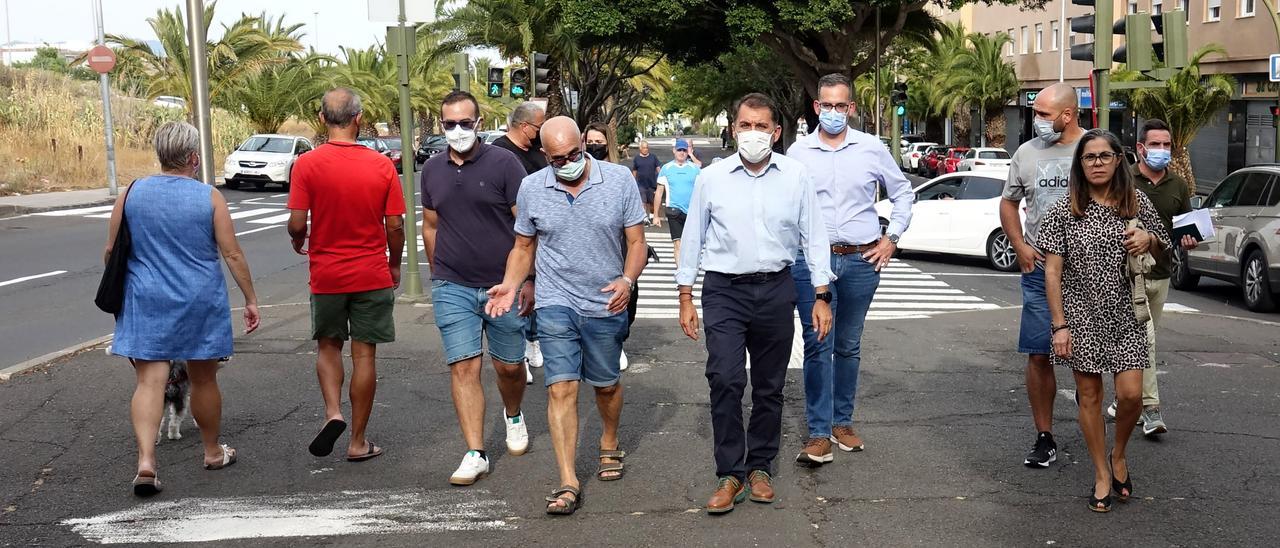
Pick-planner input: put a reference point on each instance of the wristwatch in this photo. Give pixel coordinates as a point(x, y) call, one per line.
point(825, 297)
point(893, 239)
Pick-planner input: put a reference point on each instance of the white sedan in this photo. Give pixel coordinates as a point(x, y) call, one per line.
point(984, 158)
point(958, 214)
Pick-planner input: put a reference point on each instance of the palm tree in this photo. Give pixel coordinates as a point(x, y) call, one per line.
point(269, 98)
point(981, 77)
point(1187, 102)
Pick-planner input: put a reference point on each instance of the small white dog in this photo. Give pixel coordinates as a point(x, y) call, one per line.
point(177, 401)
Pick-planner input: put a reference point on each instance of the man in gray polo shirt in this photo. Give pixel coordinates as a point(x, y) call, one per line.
point(586, 221)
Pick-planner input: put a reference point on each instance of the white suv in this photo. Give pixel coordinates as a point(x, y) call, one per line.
point(263, 159)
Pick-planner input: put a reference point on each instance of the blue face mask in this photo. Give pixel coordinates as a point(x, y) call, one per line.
point(832, 122)
point(1158, 158)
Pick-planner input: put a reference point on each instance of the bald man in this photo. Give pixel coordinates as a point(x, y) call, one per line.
point(1039, 176)
point(585, 219)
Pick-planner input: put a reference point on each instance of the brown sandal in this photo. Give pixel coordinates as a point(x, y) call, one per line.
point(145, 486)
point(570, 505)
point(615, 470)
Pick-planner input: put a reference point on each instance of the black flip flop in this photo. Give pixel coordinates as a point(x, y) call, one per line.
point(373, 451)
point(322, 445)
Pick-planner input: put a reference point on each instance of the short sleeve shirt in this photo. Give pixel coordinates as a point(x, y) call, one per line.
point(531, 159)
point(348, 189)
point(679, 181)
point(646, 168)
point(1040, 174)
point(581, 241)
point(473, 204)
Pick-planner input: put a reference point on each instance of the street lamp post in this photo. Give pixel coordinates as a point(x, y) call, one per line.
point(104, 87)
point(196, 45)
point(412, 281)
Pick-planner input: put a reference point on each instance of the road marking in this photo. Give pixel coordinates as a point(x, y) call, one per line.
point(75, 212)
point(35, 277)
point(253, 212)
point(344, 513)
point(976, 274)
point(1175, 307)
point(279, 195)
point(238, 234)
point(912, 283)
point(272, 220)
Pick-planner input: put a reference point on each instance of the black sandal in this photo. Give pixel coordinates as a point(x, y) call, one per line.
point(322, 445)
point(570, 505)
point(146, 486)
point(1123, 490)
point(615, 469)
point(1102, 505)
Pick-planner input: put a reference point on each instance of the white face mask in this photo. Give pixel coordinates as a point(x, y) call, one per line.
point(461, 140)
point(754, 146)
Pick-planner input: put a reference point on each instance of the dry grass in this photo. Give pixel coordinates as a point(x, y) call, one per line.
point(51, 133)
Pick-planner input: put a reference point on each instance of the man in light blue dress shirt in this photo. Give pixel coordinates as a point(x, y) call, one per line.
point(848, 167)
point(748, 215)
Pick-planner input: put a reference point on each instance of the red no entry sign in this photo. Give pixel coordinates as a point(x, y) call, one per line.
point(102, 59)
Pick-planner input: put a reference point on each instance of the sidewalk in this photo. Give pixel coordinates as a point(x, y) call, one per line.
point(941, 406)
point(51, 201)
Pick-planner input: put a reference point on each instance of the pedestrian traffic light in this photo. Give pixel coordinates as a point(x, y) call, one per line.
point(495, 81)
point(1100, 56)
point(540, 67)
point(898, 97)
point(519, 83)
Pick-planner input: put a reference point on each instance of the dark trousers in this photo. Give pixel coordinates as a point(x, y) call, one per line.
point(741, 318)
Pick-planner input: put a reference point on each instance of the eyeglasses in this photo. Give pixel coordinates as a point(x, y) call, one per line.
point(842, 108)
point(1099, 159)
point(536, 128)
point(682, 150)
point(560, 161)
point(467, 124)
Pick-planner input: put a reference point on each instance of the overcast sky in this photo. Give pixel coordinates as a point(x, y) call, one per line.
point(329, 23)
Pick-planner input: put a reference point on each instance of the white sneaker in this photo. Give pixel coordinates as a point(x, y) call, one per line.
point(473, 467)
point(528, 374)
point(517, 434)
point(623, 364)
point(533, 354)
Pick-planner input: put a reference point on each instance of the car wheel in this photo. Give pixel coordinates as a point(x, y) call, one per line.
point(1256, 285)
point(232, 184)
point(259, 185)
point(1180, 275)
point(1001, 253)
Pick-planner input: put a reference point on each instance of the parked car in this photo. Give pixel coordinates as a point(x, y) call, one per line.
point(263, 159)
point(912, 154)
point(958, 214)
point(929, 163)
point(1245, 249)
point(984, 158)
point(488, 137)
point(386, 145)
point(431, 145)
point(951, 163)
point(169, 101)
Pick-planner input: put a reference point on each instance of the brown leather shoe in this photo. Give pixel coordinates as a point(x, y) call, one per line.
point(761, 486)
point(846, 438)
point(817, 452)
point(730, 491)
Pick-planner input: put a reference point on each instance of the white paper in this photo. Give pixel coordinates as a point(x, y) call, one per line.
point(1198, 217)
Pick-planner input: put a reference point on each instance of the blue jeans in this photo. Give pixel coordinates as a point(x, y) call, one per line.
point(460, 316)
point(1034, 335)
point(831, 366)
point(580, 348)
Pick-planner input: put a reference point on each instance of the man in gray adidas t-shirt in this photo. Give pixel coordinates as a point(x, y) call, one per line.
point(1039, 175)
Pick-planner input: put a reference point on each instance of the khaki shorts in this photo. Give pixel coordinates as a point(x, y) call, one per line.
point(367, 316)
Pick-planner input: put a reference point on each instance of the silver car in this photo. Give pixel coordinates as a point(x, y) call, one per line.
point(1245, 249)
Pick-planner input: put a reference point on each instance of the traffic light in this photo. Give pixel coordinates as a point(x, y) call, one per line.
point(1172, 25)
point(898, 97)
point(1136, 51)
point(540, 66)
point(1099, 51)
point(495, 81)
point(519, 83)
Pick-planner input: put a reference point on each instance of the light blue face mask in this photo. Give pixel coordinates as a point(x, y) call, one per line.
point(572, 171)
point(832, 122)
point(1158, 158)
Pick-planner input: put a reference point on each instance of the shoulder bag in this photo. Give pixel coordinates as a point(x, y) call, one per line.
point(110, 297)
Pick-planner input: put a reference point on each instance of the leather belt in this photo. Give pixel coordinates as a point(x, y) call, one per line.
point(755, 277)
point(850, 249)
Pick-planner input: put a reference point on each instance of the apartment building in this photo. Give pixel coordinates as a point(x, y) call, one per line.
point(1241, 133)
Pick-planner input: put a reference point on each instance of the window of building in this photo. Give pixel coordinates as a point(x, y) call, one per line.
point(1026, 39)
point(1157, 7)
point(1133, 7)
point(1013, 42)
point(1247, 7)
point(1213, 10)
point(1071, 34)
point(1056, 40)
point(1185, 6)
point(1039, 37)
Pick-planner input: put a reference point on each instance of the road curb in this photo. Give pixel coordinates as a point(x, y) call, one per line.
point(14, 211)
point(8, 372)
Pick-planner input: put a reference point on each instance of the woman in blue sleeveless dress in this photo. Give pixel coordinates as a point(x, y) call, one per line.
point(175, 303)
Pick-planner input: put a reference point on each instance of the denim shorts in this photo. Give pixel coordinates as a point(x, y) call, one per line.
point(461, 319)
point(1034, 336)
point(580, 348)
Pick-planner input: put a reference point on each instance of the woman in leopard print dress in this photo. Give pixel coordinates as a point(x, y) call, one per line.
point(1095, 330)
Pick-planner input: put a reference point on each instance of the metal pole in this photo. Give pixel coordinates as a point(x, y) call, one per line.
point(1062, 43)
point(196, 45)
point(413, 284)
point(104, 86)
point(315, 38)
point(1102, 99)
point(462, 66)
point(878, 106)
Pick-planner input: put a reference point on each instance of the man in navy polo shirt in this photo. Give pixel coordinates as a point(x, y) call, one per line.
point(584, 218)
point(468, 210)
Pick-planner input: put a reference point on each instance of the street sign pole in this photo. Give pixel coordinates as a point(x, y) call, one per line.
point(196, 44)
point(405, 38)
point(104, 85)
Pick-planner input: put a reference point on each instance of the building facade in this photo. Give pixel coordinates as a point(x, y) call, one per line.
point(1242, 133)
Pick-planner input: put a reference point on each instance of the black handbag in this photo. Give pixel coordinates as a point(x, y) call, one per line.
point(110, 297)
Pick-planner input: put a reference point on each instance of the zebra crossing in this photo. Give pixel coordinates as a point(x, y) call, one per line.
point(905, 292)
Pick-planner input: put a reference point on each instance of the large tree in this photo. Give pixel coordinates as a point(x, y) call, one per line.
point(981, 77)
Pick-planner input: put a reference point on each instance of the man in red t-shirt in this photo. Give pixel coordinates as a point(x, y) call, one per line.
point(357, 235)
